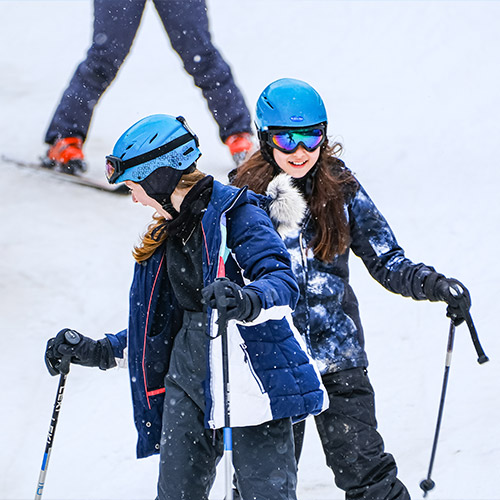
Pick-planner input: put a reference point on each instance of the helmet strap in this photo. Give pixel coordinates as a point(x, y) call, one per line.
point(169, 208)
point(306, 184)
point(267, 154)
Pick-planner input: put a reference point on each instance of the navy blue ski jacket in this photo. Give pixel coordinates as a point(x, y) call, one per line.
point(327, 312)
point(272, 375)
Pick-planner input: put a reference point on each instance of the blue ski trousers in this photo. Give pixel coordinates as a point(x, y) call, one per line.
point(115, 26)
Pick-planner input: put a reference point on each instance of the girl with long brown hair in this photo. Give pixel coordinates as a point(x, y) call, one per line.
point(292, 125)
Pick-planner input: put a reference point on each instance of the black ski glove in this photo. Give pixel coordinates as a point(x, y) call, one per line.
point(240, 303)
point(85, 351)
point(449, 290)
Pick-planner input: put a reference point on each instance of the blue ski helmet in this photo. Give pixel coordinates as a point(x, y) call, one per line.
point(154, 142)
point(289, 103)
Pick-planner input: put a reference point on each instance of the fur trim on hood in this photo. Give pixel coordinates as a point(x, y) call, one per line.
point(287, 207)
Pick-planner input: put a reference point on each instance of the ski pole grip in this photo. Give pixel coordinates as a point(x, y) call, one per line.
point(222, 308)
point(72, 337)
point(456, 290)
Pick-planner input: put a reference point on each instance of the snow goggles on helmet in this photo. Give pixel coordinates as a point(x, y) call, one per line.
point(289, 139)
point(115, 166)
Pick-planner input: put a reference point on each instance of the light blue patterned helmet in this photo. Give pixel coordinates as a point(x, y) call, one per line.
point(154, 142)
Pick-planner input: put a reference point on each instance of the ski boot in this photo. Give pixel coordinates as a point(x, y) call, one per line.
point(240, 145)
point(66, 155)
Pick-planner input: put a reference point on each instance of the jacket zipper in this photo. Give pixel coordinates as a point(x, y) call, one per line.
point(218, 269)
point(242, 190)
point(250, 366)
point(150, 393)
point(305, 269)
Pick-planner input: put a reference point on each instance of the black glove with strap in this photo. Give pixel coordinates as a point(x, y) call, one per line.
point(239, 303)
point(80, 351)
point(439, 288)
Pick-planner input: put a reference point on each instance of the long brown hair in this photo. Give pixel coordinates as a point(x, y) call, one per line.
point(155, 235)
point(333, 182)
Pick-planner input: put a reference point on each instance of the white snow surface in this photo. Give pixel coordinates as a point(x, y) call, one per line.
point(412, 91)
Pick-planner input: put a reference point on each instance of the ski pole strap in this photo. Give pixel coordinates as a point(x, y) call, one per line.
point(481, 356)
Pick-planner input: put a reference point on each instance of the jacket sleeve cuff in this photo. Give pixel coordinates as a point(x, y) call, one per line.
point(106, 357)
point(429, 286)
point(118, 343)
point(256, 305)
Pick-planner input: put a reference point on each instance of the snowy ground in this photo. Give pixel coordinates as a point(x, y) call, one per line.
point(412, 92)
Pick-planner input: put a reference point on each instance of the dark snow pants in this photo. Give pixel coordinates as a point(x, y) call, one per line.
point(115, 26)
point(263, 455)
point(353, 448)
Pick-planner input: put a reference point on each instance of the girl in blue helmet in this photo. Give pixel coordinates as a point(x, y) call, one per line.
point(292, 125)
point(211, 257)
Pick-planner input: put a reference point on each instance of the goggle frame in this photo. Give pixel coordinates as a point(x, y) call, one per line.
point(271, 133)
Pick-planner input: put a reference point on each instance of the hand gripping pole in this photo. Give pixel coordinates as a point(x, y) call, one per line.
point(72, 338)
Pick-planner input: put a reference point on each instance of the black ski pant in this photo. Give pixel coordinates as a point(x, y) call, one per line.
point(115, 26)
point(263, 455)
point(353, 448)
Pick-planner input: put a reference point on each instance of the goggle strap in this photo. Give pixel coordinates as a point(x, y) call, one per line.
point(188, 128)
point(155, 153)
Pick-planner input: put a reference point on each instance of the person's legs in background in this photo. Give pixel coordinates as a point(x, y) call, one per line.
point(186, 24)
point(115, 26)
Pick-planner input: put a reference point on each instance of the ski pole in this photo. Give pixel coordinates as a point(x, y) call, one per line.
point(73, 338)
point(428, 484)
point(222, 313)
point(227, 431)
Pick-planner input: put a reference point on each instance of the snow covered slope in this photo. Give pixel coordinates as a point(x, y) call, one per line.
point(411, 88)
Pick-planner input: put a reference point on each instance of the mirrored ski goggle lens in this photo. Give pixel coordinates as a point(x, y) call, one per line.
point(113, 168)
point(109, 169)
point(290, 140)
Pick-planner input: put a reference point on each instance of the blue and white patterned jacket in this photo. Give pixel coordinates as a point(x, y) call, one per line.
point(327, 312)
point(271, 374)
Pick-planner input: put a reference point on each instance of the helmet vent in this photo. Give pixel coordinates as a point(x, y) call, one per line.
point(153, 138)
point(268, 103)
point(188, 151)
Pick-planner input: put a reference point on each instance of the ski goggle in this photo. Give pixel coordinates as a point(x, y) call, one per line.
point(113, 168)
point(288, 140)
